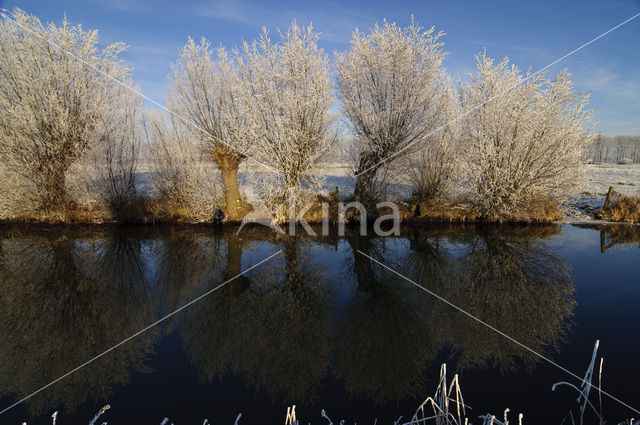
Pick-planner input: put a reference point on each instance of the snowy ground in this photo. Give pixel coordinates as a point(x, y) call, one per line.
point(624, 178)
point(593, 189)
point(590, 194)
point(589, 197)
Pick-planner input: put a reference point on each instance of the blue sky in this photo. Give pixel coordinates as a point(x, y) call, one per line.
point(532, 34)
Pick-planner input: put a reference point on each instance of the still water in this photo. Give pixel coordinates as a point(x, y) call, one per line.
point(319, 325)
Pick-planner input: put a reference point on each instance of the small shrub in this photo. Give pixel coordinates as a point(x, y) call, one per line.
point(104, 180)
point(523, 139)
point(186, 185)
point(623, 209)
point(430, 170)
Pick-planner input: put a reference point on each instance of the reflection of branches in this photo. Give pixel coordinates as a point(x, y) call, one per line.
point(64, 300)
point(124, 252)
point(514, 282)
point(428, 261)
point(67, 296)
point(507, 277)
point(189, 263)
point(274, 331)
point(386, 341)
point(619, 234)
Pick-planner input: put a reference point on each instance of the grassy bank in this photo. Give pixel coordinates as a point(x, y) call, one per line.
point(150, 211)
point(620, 208)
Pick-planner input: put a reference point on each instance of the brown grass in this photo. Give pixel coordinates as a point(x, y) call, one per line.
point(165, 210)
point(536, 211)
point(441, 212)
point(138, 211)
point(541, 211)
point(622, 209)
point(72, 214)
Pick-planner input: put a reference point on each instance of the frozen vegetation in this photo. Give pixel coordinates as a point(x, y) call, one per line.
point(589, 197)
point(594, 186)
point(252, 128)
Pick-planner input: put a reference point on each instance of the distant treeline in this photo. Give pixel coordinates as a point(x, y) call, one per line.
point(617, 149)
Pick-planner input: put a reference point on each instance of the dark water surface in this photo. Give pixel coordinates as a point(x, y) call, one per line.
point(320, 325)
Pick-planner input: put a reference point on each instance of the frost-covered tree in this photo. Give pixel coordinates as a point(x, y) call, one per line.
point(183, 181)
point(598, 148)
point(59, 98)
point(288, 94)
point(523, 136)
point(433, 167)
point(390, 82)
point(205, 90)
point(108, 172)
point(627, 148)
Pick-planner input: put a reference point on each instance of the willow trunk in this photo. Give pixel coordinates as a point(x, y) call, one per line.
point(228, 163)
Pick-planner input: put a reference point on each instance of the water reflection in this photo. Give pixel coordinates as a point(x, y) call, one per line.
point(272, 329)
point(623, 235)
point(513, 280)
point(507, 277)
point(67, 295)
point(387, 339)
point(189, 263)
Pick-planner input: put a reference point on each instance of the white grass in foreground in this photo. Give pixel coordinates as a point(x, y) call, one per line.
point(447, 407)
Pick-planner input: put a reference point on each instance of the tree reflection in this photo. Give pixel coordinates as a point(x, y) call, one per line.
point(386, 341)
point(272, 329)
point(190, 262)
point(508, 277)
point(511, 279)
point(68, 295)
point(66, 298)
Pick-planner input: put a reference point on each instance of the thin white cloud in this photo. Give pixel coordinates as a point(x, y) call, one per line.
point(123, 5)
point(335, 23)
point(481, 44)
point(606, 82)
point(232, 11)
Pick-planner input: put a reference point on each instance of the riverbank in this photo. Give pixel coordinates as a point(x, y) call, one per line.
point(584, 207)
